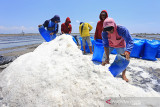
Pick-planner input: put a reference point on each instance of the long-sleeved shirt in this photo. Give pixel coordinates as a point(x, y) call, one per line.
point(122, 31)
point(51, 26)
point(99, 27)
point(66, 28)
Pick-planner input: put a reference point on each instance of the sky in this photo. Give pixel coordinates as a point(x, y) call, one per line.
point(138, 16)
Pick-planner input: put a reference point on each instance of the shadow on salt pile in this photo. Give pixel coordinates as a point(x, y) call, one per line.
point(150, 81)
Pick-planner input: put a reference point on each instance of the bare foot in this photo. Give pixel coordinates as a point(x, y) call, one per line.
point(125, 78)
point(103, 63)
point(84, 52)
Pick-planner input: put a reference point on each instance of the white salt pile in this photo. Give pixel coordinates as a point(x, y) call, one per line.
point(57, 74)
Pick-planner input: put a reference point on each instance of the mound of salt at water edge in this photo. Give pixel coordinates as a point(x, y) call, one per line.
point(57, 74)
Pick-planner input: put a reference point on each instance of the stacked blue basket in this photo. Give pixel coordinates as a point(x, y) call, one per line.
point(137, 48)
point(143, 48)
point(98, 50)
point(150, 49)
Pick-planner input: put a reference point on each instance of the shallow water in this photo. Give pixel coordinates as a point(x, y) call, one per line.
point(12, 50)
point(14, 41)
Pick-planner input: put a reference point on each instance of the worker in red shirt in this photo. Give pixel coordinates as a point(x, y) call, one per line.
point(99, 28)
point(66, 27)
